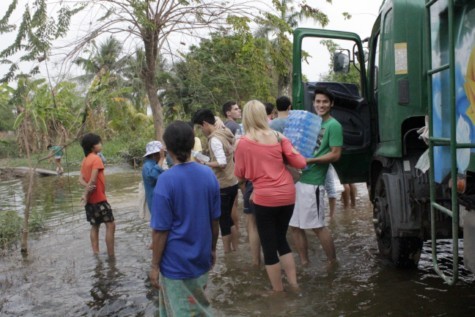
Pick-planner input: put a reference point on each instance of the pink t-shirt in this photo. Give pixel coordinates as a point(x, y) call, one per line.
point(263, 165)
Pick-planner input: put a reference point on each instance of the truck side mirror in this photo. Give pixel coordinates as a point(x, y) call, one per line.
point(341, 61)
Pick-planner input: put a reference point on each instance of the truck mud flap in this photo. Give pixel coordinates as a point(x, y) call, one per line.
point(405, 222)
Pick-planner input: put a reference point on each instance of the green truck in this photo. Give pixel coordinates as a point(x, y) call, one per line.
point(417, 70)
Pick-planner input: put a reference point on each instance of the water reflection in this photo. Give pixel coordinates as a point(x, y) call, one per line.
point(104, 283)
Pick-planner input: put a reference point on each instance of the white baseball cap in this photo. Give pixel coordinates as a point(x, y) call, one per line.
point(153, 147)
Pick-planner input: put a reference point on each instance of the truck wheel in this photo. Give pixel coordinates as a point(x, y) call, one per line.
point(403, 252)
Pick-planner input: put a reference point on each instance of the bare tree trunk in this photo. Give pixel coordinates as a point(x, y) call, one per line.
point(150, 39)
point(25, 231)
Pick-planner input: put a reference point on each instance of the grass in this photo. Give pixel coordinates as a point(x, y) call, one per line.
point(116, 151)
point(10, 227)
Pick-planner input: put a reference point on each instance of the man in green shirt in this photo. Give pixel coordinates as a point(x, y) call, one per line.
point(309, 211)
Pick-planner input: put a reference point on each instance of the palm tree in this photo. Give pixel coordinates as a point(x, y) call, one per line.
point(278, 26)
point(103, 70)
point(105, 58)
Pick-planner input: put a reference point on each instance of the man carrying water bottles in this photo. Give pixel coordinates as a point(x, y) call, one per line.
point(309, 211)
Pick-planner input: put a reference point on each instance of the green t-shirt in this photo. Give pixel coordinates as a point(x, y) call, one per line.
point(331, 135)
point(57, 150)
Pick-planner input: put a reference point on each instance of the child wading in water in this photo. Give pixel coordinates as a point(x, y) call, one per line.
point(57, 152)
point(92, 178)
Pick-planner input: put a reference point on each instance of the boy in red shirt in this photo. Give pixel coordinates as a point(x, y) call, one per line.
point(92, 178)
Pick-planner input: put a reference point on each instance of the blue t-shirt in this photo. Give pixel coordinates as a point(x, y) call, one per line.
point(185, 202)
point(278, 124)
point(150, 173)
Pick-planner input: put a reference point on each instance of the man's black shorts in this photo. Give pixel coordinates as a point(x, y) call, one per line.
point(99, 213)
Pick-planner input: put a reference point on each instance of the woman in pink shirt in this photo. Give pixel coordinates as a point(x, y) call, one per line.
point(259, 158)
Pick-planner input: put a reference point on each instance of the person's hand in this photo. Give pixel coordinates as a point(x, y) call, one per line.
point(154, 274)
point(83, 200)
point(161, 160)
point(91, 188)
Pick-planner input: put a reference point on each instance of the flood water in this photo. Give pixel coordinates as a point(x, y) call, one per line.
point(60, 276)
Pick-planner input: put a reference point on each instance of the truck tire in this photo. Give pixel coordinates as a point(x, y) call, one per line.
point(403, 252)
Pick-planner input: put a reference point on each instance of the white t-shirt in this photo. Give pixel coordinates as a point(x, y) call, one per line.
point(218, 151)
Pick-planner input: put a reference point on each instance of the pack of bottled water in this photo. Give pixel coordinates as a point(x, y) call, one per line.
point(302, 129)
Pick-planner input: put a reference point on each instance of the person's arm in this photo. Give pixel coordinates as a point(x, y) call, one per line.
point(335, 142)
point(161, 222)
point(239, 167)
point(294, 158)
point(215, 232)
point(82, 180)
point(153, 173)
point(159, 241)
point(215, 214)
point(218, 151)
point(91, 185)
point(332, 156)
point(161, 161)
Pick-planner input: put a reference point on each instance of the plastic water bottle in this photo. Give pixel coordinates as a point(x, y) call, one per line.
point(200, 156)
point(238, 134)
point(302, 128)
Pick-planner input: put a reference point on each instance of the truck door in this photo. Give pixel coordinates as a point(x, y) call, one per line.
point(351, 108)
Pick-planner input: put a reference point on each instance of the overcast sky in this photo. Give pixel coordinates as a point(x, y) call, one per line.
point(363, 15)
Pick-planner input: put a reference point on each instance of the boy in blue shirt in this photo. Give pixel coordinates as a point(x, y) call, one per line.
point(185, 221)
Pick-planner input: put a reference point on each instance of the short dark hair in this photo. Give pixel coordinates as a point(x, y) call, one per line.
point(179, 140)
point(49, 146)
point(282, 103)
point(228, 105)
point(88, 142)
point(203, 115)
point(269, 107)
point(324, 91)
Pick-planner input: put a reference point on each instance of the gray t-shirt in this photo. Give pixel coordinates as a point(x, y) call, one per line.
point(278, 124)
point(232, 125)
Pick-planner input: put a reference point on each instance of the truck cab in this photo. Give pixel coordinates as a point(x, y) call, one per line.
point(418, 76)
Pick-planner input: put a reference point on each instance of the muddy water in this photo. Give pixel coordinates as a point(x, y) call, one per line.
point(60, 277)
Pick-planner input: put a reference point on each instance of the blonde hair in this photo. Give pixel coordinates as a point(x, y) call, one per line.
point(254, 118)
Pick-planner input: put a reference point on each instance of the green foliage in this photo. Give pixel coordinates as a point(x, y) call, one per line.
point(221, 68)
point(278, 26)
point(35, 34)
point(125, 119)
point(36, 222)
point(134, 151)
point(7, 111)
point(352, 77)
point(45, 116)
point(10, 227)
point(8, 148)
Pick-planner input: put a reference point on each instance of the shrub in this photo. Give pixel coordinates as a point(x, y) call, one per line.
point(10, 227)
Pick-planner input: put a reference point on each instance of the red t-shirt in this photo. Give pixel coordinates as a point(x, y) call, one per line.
point(90, 163)
point(264, 166)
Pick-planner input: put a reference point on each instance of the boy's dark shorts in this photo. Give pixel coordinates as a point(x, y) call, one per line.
point(99, 213)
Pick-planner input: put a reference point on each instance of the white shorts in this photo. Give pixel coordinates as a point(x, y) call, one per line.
point(309, 210)
point(333, 187)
